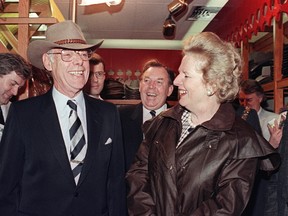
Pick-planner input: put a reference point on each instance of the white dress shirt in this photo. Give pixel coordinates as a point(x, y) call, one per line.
point(63, 111)
point(147, 115)
point(5, 109)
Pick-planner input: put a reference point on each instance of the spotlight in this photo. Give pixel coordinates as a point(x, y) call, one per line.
point(92, 2)
point(169, 28)
point(178, 8)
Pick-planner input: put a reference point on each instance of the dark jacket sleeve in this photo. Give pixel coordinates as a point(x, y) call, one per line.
point(139, 198)
point(277, 189)
point(116, 179)
point(11, 165)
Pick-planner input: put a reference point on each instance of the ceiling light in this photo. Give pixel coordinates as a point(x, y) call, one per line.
point(169, 28)
point(178, 8)
point(203, 13)
point(91, 2)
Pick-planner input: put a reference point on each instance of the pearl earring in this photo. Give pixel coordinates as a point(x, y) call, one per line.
point(209, 92)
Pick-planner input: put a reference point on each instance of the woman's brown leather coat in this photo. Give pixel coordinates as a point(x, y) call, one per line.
point(210, 173)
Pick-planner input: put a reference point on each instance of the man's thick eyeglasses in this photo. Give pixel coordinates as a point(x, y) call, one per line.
point(97, 74)
point(68, 55)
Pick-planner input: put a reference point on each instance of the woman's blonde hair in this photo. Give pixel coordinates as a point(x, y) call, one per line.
point(221, 63)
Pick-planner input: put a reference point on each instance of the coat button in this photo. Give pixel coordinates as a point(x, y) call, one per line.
point(76, 194)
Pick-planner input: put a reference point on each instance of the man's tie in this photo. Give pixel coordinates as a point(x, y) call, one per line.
point(153, 113)
point(1, 117)
point(78, 142)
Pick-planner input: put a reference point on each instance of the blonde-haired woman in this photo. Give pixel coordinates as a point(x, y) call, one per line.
point(199, 158)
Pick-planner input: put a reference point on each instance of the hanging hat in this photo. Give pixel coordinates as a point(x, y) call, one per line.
point(65, 35)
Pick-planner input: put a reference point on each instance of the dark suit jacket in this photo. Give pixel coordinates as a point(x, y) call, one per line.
point(252, 118)
point(257, 198)
point(131, 120)
point(35, 174)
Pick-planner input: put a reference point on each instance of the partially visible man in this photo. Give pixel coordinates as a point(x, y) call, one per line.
point(252, 95)
point(61, 153)
point(156, 84)
point(14, 71)
point(96, 79)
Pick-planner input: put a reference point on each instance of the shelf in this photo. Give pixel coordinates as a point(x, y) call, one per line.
point(122, 102)
point(283, 84)
point(129, 102)
point(268, 86)
point(273, 41)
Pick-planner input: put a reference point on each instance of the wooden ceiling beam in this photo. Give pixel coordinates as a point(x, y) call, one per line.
point(26, 20)
point(14, 8)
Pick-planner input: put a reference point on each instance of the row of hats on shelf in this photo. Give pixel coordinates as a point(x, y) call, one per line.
point(121, 73)
point(120, 89)
point(124, 73)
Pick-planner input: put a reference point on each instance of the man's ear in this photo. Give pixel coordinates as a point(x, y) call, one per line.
point(47, 62)
point(261, 97)
point(170, 90)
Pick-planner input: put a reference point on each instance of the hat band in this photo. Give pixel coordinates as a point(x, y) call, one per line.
point(69, 41)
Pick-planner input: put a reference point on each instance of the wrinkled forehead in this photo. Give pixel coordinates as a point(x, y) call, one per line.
point(155, 73)
point(55, 50)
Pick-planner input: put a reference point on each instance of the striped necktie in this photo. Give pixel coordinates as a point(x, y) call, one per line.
point(77, 138)
point(153, 113)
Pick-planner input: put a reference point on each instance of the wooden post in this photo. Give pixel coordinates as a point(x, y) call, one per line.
point(23, 38)
point(245, 58)
point(278, 59)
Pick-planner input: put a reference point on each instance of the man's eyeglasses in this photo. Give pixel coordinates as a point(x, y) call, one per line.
point(97, 74)
point(68, 55)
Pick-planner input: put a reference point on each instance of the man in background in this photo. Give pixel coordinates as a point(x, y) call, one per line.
point(156, 84)
point(14, 71)
point(252, 95)
point(96, 79)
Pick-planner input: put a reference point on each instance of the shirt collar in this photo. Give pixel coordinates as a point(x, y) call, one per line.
point(158, 111)
point(61, 99)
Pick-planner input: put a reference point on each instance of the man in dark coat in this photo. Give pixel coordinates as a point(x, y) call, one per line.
point(42, 171)
point(155, 86)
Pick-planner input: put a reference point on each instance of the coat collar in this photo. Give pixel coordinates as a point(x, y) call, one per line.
point(222, 120)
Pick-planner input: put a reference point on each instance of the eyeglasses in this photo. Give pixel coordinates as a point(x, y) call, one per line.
point(68, 55)
point(97, 74)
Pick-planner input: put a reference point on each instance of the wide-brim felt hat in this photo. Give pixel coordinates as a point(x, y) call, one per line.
point(65, 35)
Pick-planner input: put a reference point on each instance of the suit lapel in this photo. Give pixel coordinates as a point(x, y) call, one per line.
point(53, 134)
point(94, 121)
point(137, 117)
